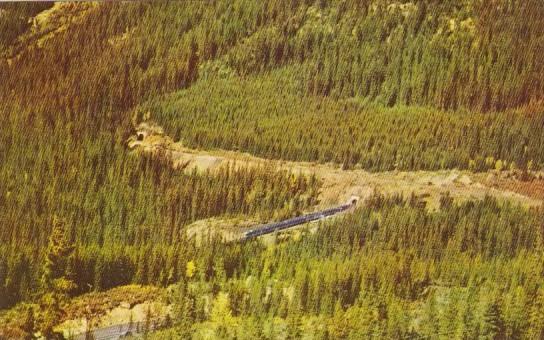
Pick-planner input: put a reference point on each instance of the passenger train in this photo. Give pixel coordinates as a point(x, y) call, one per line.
point(272, 227)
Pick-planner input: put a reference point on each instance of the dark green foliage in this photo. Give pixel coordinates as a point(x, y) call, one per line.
point(441, 55)
point(268, 115)
point(391, 270)
point(375, 84)
point(64, 128)
point(493, 325)
point(125, 213)
point(16, 19)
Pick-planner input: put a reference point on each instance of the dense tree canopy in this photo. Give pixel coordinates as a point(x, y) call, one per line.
point(329, 60)
point(376, 84)
point(391, 269)
point(267, 115)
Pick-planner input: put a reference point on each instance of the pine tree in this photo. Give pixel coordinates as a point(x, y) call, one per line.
point(99, 273)
point(186, 318)
point(147, 322)
point(28, 326)
point(59, 252)
point(431, 323)
point(221, 317)
point(294, 324)
point(56, 286)
point(536, 318)
point(492, 323)
point(466, 325)
point(448, 317)
point(516, 314)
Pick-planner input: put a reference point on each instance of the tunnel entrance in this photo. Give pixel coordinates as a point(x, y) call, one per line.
point(353, 200)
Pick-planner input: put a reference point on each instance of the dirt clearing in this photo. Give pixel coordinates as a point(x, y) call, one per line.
point(339, 185)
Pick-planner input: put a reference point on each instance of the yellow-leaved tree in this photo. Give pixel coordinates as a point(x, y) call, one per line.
point(56, 280)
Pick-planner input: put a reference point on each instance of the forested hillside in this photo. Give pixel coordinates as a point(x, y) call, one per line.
point(483, 55)
point(376, 84)
point(329, 60)
point(64, 161)
point(390, 270)
point(266, 115)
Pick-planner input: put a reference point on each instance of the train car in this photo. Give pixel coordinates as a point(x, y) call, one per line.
point(275, 226)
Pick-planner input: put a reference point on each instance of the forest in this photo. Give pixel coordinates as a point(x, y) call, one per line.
point(390, 270)
point(379, 85)
point(221, 114)
point(249, 68)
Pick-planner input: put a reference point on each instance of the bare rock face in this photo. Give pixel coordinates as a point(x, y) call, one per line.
point(149, 129)
point(465, 180)
point(144, 132)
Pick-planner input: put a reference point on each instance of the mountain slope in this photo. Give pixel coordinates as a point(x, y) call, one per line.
point(375, 84)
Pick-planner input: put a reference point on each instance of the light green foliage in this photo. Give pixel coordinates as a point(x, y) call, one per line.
point(536, 316)
point(374, 84)
point(57, 283)
point(414, 273)
point(268, 115)
point(221, 317)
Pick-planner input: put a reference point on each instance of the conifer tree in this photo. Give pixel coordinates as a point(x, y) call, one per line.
point(147, 321)
point(221, 316)
point(466, 323)
point(431, 323)
point(29, 326)
point(536, 317)
point(448, 317)
point(294, 323)
point(56, 285)
point(516, 314)
point(492, 323)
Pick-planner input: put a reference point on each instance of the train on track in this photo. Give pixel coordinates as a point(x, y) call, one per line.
point(275, 226)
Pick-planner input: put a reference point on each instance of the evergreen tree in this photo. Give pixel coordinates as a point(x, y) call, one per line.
point(516, 314)
point(294, 324)
point(147, 322)
point(221, 317)
point(536, 318)
point(448, 317)
point(28, 326)
point(492, 323)
point(56, 286)
point(467, 327)
point(431, 323)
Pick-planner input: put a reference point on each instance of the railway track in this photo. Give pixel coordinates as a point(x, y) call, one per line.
point(127, 330)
